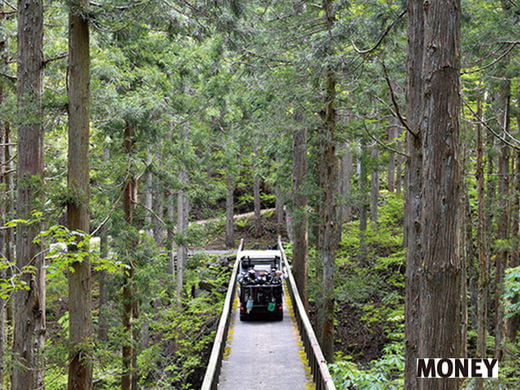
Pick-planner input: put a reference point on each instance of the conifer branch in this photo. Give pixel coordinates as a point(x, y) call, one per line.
point(515, 145)
point(60, 57)
point(378, 141)
point(403, 121)
point(380, 40)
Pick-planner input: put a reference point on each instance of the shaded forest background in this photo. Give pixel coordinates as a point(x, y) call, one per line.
point(203, 110)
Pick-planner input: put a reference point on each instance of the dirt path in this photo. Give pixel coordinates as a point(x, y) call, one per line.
point(237, 216)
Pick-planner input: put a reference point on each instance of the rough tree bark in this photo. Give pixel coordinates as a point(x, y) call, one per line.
point(299, 213)
point(4, 197)
point(279, 209)
point(503, 215)
point(413, 187)
point(29, 305)
point(442, 266)
point(393, 134)
point(183, 209)
point(170, 234)
point(159, 197)
point(513, 323)
point(374, 187)
point(346, 170)
point(364, 204)
point(328, 172)
point(483, 275)
point(256, 196)
point(129, 300)
point(102, 276)
point(230, 211)
point(148, 198)
point(102, 331)
point(80, 283)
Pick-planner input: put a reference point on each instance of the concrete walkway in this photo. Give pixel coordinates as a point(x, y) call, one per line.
point(264, 355)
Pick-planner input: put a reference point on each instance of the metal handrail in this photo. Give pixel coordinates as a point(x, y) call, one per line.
point(215, 361)
point(317, 362)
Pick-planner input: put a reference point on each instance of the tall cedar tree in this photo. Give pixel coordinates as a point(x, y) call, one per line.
point(483, 276)
point(29, 305)
point(6, 202)
point(130, 308)
point(413, 186)
point(441, 272)
point(80, 283)
point(299, 213)
point(328, 176)
point(504, 214)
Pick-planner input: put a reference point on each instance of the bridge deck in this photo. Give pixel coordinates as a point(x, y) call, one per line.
point(264, 355)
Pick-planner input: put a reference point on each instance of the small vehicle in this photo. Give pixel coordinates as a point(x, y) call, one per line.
point(260, 280)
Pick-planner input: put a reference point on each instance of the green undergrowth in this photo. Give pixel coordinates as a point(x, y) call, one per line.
point(370, 301)
point(385, 373)
point(173, 342)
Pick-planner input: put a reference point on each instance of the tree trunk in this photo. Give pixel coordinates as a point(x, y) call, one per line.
point(158, 229)
point(393, 133)
point(328, 219)
point(299, 213)
point(102, 276)
point(289, 224)
point(230, 211)
point(413, 186)
point(148, 198)
point(374, 187)
point(441, 273)
point(513, 323)
point(80, 283)
point(9, 237)
point(503, 217)
point(363, 204)
point(346, 168)
point(129, 299)
point(3, 219)
point(103, 296)
point(5, 203)
point(256, 199)
point(183, 207)
point(483, 259)
point(29, 305)
point(279, 209)
point(170, 239)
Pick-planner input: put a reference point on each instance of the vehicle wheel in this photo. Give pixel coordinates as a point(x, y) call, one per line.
point(243, 317)
point(279, 316)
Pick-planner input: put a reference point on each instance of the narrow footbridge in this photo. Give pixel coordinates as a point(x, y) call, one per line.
point(258, 355)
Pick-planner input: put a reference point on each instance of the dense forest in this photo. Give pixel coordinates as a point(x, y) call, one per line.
point(380, 139)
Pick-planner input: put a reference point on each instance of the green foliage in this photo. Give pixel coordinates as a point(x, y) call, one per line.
point(382, 374)
point(68, 247)
point(14, 278)
point(14, 281)
point(186, 331)
point(370, 296)
point(512, 292)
